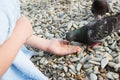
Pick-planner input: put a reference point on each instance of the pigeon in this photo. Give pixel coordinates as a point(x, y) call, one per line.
point(95, 31)
point(99, 8)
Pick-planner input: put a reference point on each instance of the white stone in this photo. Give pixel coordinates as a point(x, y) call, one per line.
point(104, 62)
point(93, 76)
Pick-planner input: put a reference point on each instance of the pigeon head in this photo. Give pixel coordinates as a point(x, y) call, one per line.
point(99, 7)
point(78, 35)
point(73, 35)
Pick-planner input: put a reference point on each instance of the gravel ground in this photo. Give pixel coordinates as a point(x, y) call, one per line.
point(51, 19)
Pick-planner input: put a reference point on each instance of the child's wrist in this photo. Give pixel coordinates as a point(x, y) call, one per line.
point(48, 45)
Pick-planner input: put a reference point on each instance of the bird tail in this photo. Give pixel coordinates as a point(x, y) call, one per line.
point(118, 21)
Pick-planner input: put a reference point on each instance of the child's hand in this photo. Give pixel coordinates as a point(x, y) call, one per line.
point(23, 28)
point(62, 47)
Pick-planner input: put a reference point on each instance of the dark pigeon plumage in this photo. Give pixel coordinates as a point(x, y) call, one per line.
point(100, 7)
point(95, 31)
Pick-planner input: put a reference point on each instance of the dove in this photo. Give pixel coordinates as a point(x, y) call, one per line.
point(95, 31)
point(99, 8)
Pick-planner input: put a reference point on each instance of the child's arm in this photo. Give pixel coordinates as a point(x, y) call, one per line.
point(38, 42)
point(55, 46)
point(10, 48)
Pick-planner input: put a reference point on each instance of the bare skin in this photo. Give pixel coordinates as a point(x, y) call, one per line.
point(56, 46)
point(23, 34)
point(10, 48)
